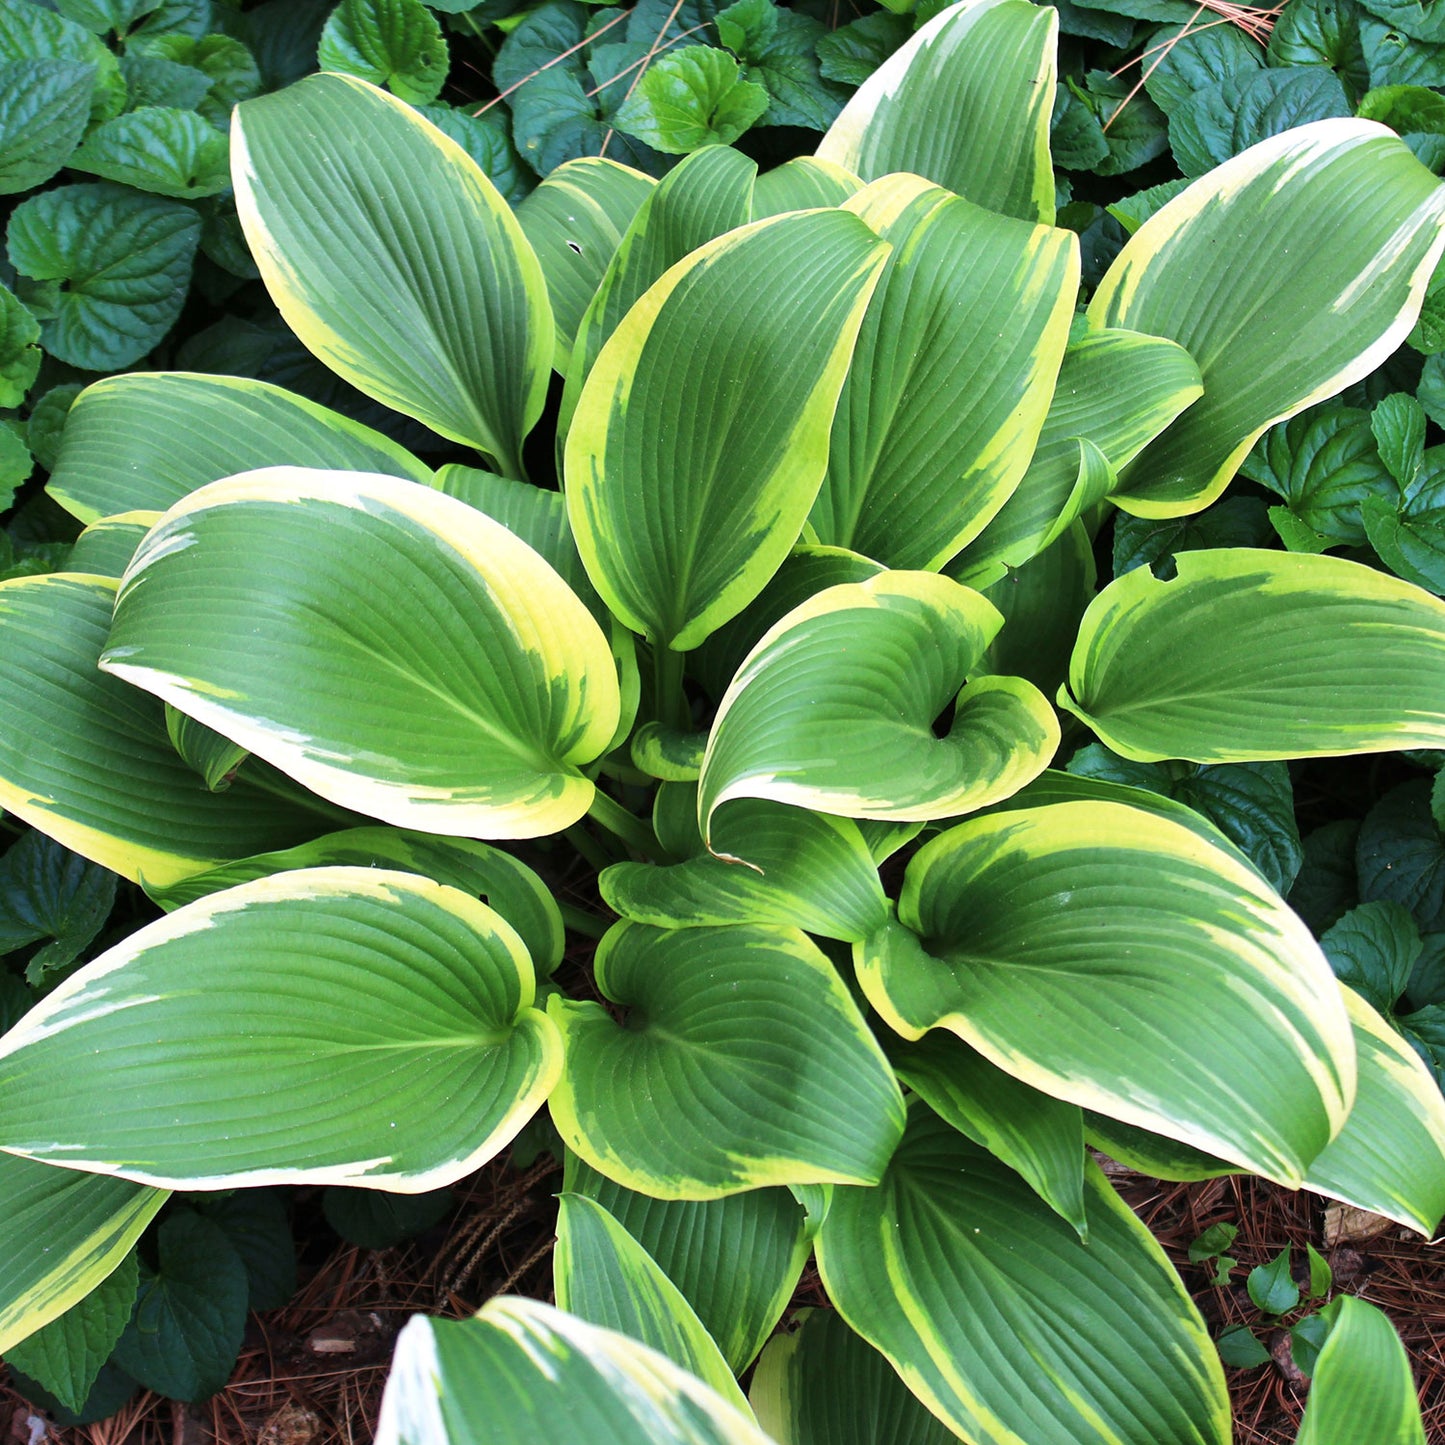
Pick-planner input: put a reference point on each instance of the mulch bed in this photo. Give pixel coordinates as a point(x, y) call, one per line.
point(312, 1374)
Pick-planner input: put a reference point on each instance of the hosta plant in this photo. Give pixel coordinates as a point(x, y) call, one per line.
point(785, 661)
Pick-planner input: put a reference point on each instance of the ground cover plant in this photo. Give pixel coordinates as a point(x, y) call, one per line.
point(763, 643)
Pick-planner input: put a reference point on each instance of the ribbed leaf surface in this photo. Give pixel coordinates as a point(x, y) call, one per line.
point(1390, 1156)
point(605, 1276)
point(966, 103)
point(444, 315)
point(61, 1233)
point(743, 1061)
point(1046, 937)
point(1362, 1392)
point(690, 469)
point(331, 1025)
point(1008, 1327)
point(800, 185)
point(1249, 655)
point(390, 648)
point(520, 1372)
point(86, 758)
point(142, 441)
point(1320, 305)
point(951, 374)
point(834, 708)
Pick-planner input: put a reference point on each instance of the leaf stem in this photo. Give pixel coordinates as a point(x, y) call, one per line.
point(588, 846)
point(669, 700)
point(579, 920)
point(610, 814)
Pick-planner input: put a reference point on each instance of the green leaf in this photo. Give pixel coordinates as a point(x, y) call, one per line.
point(744, 1062)
point(395, 43)
point(1270, 1285)
point(1351, 298)
point(1240, 1349)
point(1021, 919)
point(1076, 138)
point(44, 109)
point(1213, 1242)
point(788, 67)
point(1322, 32)
point(1152, 1154)
point(144, 441)
point(1249, 655)
point(65, 1357)
point(205, 751)
point(1413, 17)
point(1252, 804)
point(1002, 1321)
point(167, 151)
point(1395, 58)
point(1401, 855)
point(435, 982)
point(1362, 1390)
point(106, 16)
point(1398, 424)
point(375, 1220)
point(1156, 541)
point(1322, 1277)
point(19, 354)
point(802, 183)
point(1137, 133)
point(123, 264)
point(153, 80)
point(1040, 1137)
point(834, 708)
point(46, 891)
point(105, 548)
point(1373, 949)
point(487, 138)
point(1307, 1338)
point(935, 426)
point(61, 1234)
point(964, 104)
point(736, 1260)
point(852, 52)
point(805, 870)
point(228, 66)
point(680, 528)
point(490, 748)
point(502, 882)
point(467, 352)
point(33, 32)
point(575, 221)
point(1390, 1156)
point(86, 759)
point(1195, 61)
point(821, 1384)
point(605, 1276)
point(691, 98)
point(255, 1224)
point(46, 423)
point(520, 1371)
point(190, 1313)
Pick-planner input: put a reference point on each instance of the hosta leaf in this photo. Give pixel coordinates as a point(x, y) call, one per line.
point(736, 1260)
point(1040, 1137)
point(1347, 297)
point(66, 1356)
point(502, 882)
point(575, 221)
point(605, 1276)
point(105, 548)
point(834, 708)
point(1152, 1154)
point(1002, 1321)
point(744, 1062)
point(61, 1234)
point(521, 1371)
point(214, 757)
point(692, 97)
point(965, 104)
point(395, 43)
point(44, 108)
point(936, 424)
point(1116, 389)
point(821, 1384)
point(19, 354)
point(435, 1063)
point(1362, 1392)
point(680, 527)
point(487, 138)
point(86, 759)
point(122, 262)
point(800, 184)
point(171, 152)
point(142, 442)
point(806, 870)
point(445, 314)
point(1390, 1156)
point(488, 683)
point(1251, 655)
point(1022, 919)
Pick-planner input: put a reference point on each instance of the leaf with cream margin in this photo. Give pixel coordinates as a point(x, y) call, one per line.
point(1344, 229)
point(444, 315)
point(208, 1050)
point(966, 104)
point(391, 648)
point(1045, 937)
point(1362, 1392)
point(834, 708)
point(681, 525)
point(1247, 655)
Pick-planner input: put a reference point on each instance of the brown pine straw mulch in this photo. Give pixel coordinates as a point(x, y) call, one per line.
point(313, 1373)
